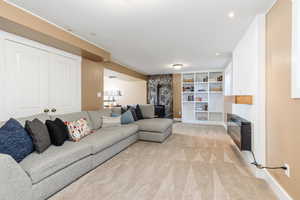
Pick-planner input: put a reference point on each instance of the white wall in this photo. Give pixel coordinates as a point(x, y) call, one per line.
point(133, 91)
point(250, 80)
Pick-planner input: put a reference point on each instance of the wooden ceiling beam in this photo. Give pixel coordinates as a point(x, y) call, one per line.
point(124, 70)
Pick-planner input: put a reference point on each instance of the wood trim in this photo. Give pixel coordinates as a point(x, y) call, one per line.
point(177, 95)
point(243, 100)
point(92, 82)
point(124, 70)
point(20, 22)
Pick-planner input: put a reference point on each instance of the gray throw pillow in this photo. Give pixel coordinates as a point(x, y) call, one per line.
point(147, 111)
point(39, 133)
point(96, 117)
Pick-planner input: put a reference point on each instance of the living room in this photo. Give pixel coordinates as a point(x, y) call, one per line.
point(128, 99)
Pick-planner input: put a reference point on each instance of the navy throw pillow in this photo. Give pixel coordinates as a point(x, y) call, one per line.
point(15, 141)
point(127, 118)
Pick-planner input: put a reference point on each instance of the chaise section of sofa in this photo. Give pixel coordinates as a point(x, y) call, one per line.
point(155, 130)
point(150, 128)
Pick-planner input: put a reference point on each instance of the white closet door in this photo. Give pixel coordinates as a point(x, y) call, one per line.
point(26, 70)
point(64, 85)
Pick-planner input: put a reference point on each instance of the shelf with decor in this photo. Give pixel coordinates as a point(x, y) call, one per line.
point(202, 97)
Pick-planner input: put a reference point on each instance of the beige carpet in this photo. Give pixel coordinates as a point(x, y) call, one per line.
point(196, 163)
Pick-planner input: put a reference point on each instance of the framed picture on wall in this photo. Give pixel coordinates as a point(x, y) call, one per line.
point(295, 71)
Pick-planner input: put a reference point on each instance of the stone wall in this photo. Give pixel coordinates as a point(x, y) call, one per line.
point(166, 92)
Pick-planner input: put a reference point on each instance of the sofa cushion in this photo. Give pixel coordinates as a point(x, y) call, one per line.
point(127, 118)
point(14, 140)
point(2, 123)
point(103, 138)
point(57, 135)
point(40, 166)
point(63, 127)
point(116, 110)
point(129, 130)
point(74, 117)
point(42, 117)
point(154, 125)
point(147, 111)
point(107, 137)
point(111, 121)
point(39, 134)
point(138, 112)
point(133, 113)
point(96, 118)
point(78, 130)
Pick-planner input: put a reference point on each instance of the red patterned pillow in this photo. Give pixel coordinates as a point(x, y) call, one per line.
point(78, 129)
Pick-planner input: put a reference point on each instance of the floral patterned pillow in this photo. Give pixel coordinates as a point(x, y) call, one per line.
point(78, 129)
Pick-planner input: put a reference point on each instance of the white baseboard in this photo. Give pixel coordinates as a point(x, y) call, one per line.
point(279, 191)
point(276, 187)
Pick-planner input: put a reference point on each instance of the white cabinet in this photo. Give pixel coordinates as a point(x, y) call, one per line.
point(245, 62)
point(26, 79)
point(35, 77)
point(64, 84)
point(228, 80)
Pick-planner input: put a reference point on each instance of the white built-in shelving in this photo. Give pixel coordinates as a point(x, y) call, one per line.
point(202, 97)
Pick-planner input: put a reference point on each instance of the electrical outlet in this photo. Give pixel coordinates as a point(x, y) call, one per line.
point(287, 171)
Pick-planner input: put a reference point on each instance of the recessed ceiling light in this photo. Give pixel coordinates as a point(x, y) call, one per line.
point(177, 66)
point(231, 15)
point(218, 54)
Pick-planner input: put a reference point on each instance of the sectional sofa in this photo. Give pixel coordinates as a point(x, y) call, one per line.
point(39, 176)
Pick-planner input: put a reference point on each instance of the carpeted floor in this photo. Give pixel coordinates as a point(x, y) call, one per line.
point(196, 163)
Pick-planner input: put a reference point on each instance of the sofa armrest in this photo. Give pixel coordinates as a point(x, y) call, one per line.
point(14, 182)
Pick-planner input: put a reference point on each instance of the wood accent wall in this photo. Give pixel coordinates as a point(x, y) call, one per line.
point(177, 95)
point(20, 22)
point(124, 70)
point(92, 83)
point(282, 112)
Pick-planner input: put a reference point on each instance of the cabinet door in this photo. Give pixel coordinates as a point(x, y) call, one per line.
point(245, 62)
point(228, 80)
point(25, 87)
point(3, 114)
point(64, 85)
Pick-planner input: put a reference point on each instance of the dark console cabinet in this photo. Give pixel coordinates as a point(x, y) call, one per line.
point(240, 131)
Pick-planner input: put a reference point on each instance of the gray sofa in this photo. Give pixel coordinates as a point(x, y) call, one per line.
point(39, 176)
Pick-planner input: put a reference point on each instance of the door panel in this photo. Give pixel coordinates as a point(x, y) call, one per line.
point(26, 79)
point(3, 112)
point(63, 85)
